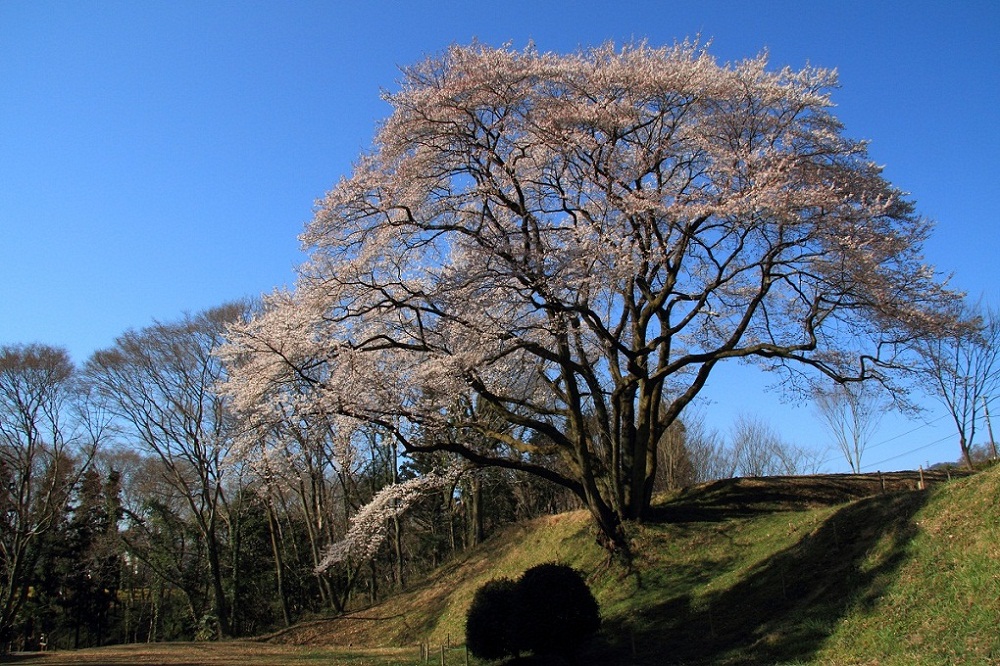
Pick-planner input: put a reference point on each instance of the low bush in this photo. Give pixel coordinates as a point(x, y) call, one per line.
point(490, 631)
point(549, 611)
point(558, 610)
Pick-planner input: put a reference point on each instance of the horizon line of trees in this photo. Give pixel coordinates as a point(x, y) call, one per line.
point(133, 507)
point(138, 507)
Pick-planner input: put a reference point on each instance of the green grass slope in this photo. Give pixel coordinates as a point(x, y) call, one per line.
point(807, 570)
point(942, 606)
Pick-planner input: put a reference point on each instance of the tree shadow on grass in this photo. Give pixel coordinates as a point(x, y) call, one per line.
point(786, 607)
point(726, 499)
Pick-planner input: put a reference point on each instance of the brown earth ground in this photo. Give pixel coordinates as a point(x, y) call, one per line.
point(227, 653)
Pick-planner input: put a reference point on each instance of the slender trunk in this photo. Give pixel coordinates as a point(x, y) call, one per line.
point(235, 579)
point(373, 583)
point(397, 550)
point(218, 590)
point(965, 452)
point(397, 527)
point(279, 563)
point(989, 426)
point(314, 530)
point(477, 529)
point(449, 515)
point(154, 617)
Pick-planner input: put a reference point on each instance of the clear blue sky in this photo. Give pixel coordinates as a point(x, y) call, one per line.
point(161, 157)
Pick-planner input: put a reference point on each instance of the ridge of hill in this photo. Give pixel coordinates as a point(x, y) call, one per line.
point(829, 569)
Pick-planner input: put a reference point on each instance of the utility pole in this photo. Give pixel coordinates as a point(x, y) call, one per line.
point(989, 427)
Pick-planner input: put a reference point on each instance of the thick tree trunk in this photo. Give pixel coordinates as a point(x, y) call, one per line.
point(610, 522)
point(612, 535)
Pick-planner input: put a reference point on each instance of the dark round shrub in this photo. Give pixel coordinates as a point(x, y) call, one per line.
point(558, 613)
point(491, 624)
point(535, 660)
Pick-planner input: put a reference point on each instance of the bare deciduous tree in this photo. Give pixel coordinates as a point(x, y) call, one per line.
point(851, 414)
point(710, 457)
point(674, 464)
point(45, 445)
point(962, 369)
point(160, 383)
point(756, 449)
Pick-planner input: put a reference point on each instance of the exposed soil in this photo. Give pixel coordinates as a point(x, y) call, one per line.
point(227, 653)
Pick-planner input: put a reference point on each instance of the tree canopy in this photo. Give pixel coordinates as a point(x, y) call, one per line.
point(577, 241)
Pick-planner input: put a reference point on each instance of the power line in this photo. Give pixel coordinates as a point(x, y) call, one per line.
point(927, 424)
point(988, 400)
point(919, 448)
point(908, 432)
point(907, 452)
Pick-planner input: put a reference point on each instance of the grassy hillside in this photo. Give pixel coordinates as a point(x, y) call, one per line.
point(810, 570)
point(806, 570)
point(942, 605)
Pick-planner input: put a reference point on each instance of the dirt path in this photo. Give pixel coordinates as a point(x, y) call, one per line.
point(236, 653)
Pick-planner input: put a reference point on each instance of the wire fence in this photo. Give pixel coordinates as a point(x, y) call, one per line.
point(445, 654)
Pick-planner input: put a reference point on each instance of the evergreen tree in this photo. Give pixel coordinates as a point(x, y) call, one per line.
point(90, 561)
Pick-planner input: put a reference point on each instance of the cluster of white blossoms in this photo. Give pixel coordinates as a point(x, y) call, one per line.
point(370, 525)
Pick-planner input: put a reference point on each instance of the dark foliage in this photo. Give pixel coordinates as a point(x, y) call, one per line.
point(558, 611)
point(490, 626)
point(549, 611)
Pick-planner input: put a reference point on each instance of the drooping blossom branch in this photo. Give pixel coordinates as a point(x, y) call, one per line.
point(370, 525)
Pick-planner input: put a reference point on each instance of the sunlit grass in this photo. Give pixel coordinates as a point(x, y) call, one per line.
point(943, 607)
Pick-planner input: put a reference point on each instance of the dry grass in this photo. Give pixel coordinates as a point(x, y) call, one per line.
point(234, 653)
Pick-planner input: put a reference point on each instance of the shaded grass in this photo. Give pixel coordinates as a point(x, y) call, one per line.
point(737, 571)
point(771, 589)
